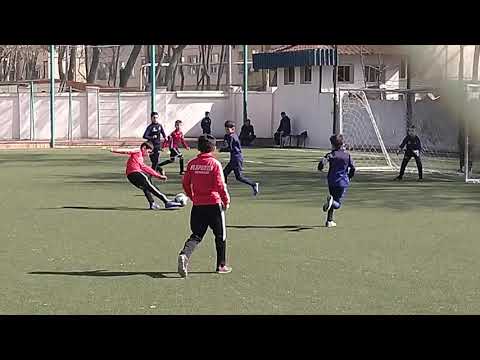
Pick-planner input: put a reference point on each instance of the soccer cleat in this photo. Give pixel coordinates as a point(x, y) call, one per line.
point(224, 269)
point(256, 189)
point(398, 178)
point(182, 172)
point(328, 205)
point(161, 171)
point(172, 205)
point(330, 224)
point(183, 265)
point(420, 179)
point(155, 206)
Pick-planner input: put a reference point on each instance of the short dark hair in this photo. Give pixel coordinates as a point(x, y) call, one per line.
point(229, 124)
point(207, 112)
point(147, 144)
point(206, 143)
point(336, 141)
point(178, 122)
point(153, 113)
point(283, 113)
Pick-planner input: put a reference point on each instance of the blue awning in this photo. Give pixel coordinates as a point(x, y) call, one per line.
point(323, 57)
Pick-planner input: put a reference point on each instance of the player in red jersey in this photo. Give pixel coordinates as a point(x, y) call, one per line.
point(205, 185)
point(173, 142)
point(136, 171)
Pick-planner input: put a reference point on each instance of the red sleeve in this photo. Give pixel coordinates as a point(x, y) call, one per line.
point(166, 142)
point(220, 184)
point(185, 145)
point(186, 183)
point(149, 170)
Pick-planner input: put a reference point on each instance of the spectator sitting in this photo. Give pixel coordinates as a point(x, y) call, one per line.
point(247, 134)
point(284, 129)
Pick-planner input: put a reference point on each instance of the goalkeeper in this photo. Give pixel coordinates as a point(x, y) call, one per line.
point(413, 148)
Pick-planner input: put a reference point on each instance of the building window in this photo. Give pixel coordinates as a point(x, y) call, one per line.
point(403, 68)
point(193, 70)
point(373, 74)
point(240, 54)
point(306, 74)
point(289, 75)
point(344, 73)
point(213, 69)
point(193, 59)
point(215, 58)
point(182, 60)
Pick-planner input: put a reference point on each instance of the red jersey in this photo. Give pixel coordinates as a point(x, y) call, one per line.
point(204, 183)
point(174, 140)
point(135, 164)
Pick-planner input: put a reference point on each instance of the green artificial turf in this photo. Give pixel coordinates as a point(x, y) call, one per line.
point(76, 238)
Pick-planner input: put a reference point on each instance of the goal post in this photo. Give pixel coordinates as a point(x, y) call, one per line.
point(374, 123)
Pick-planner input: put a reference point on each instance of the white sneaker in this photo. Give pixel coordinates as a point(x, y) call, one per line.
point(224, 269)
point(182, 265)
point(256, 189)
point(328, 204)
point(330, 224)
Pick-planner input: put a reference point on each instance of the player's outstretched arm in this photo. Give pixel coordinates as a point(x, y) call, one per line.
point(147, 169)
point(123, 152)
point(351, 168)
point(221, 186)
point(187, 184)
point(184, 143)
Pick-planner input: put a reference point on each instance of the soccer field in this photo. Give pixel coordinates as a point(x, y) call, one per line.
point(76, 238)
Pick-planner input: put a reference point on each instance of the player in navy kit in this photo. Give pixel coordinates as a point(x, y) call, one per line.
point(412, 150)
point(232, 145)
point(152, 134)
point(341, 170)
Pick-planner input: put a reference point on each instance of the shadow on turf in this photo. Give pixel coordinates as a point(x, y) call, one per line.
point(107, 208)
point(155, 275)
point(295, 228)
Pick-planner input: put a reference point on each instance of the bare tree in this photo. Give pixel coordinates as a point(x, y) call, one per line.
point(182, 77)
point(362, 61)
point(72, 65)
point(92, 73)
point(220, 67)
point(173, 61)
point(476, 56)
point(126, 72)
point(61, 55)
point(113, 65)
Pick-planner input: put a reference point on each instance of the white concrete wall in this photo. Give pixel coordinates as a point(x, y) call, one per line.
point(134, 113)
point(8, 112)
point(308, 109)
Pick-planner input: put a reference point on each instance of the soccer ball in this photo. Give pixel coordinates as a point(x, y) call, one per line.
point(181, 198)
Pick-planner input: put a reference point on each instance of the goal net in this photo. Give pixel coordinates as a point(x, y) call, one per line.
point(470, 130)
point(375, 121)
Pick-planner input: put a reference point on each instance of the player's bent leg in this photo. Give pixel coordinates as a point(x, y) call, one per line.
point(405, 161)
point(228, 169)
point(151, 188)
point(239, 176)
point(419, 167)
point(218, 225)
point(163, 163)
point(199, 226)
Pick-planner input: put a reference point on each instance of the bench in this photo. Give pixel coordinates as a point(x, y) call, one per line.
point(294, 140)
